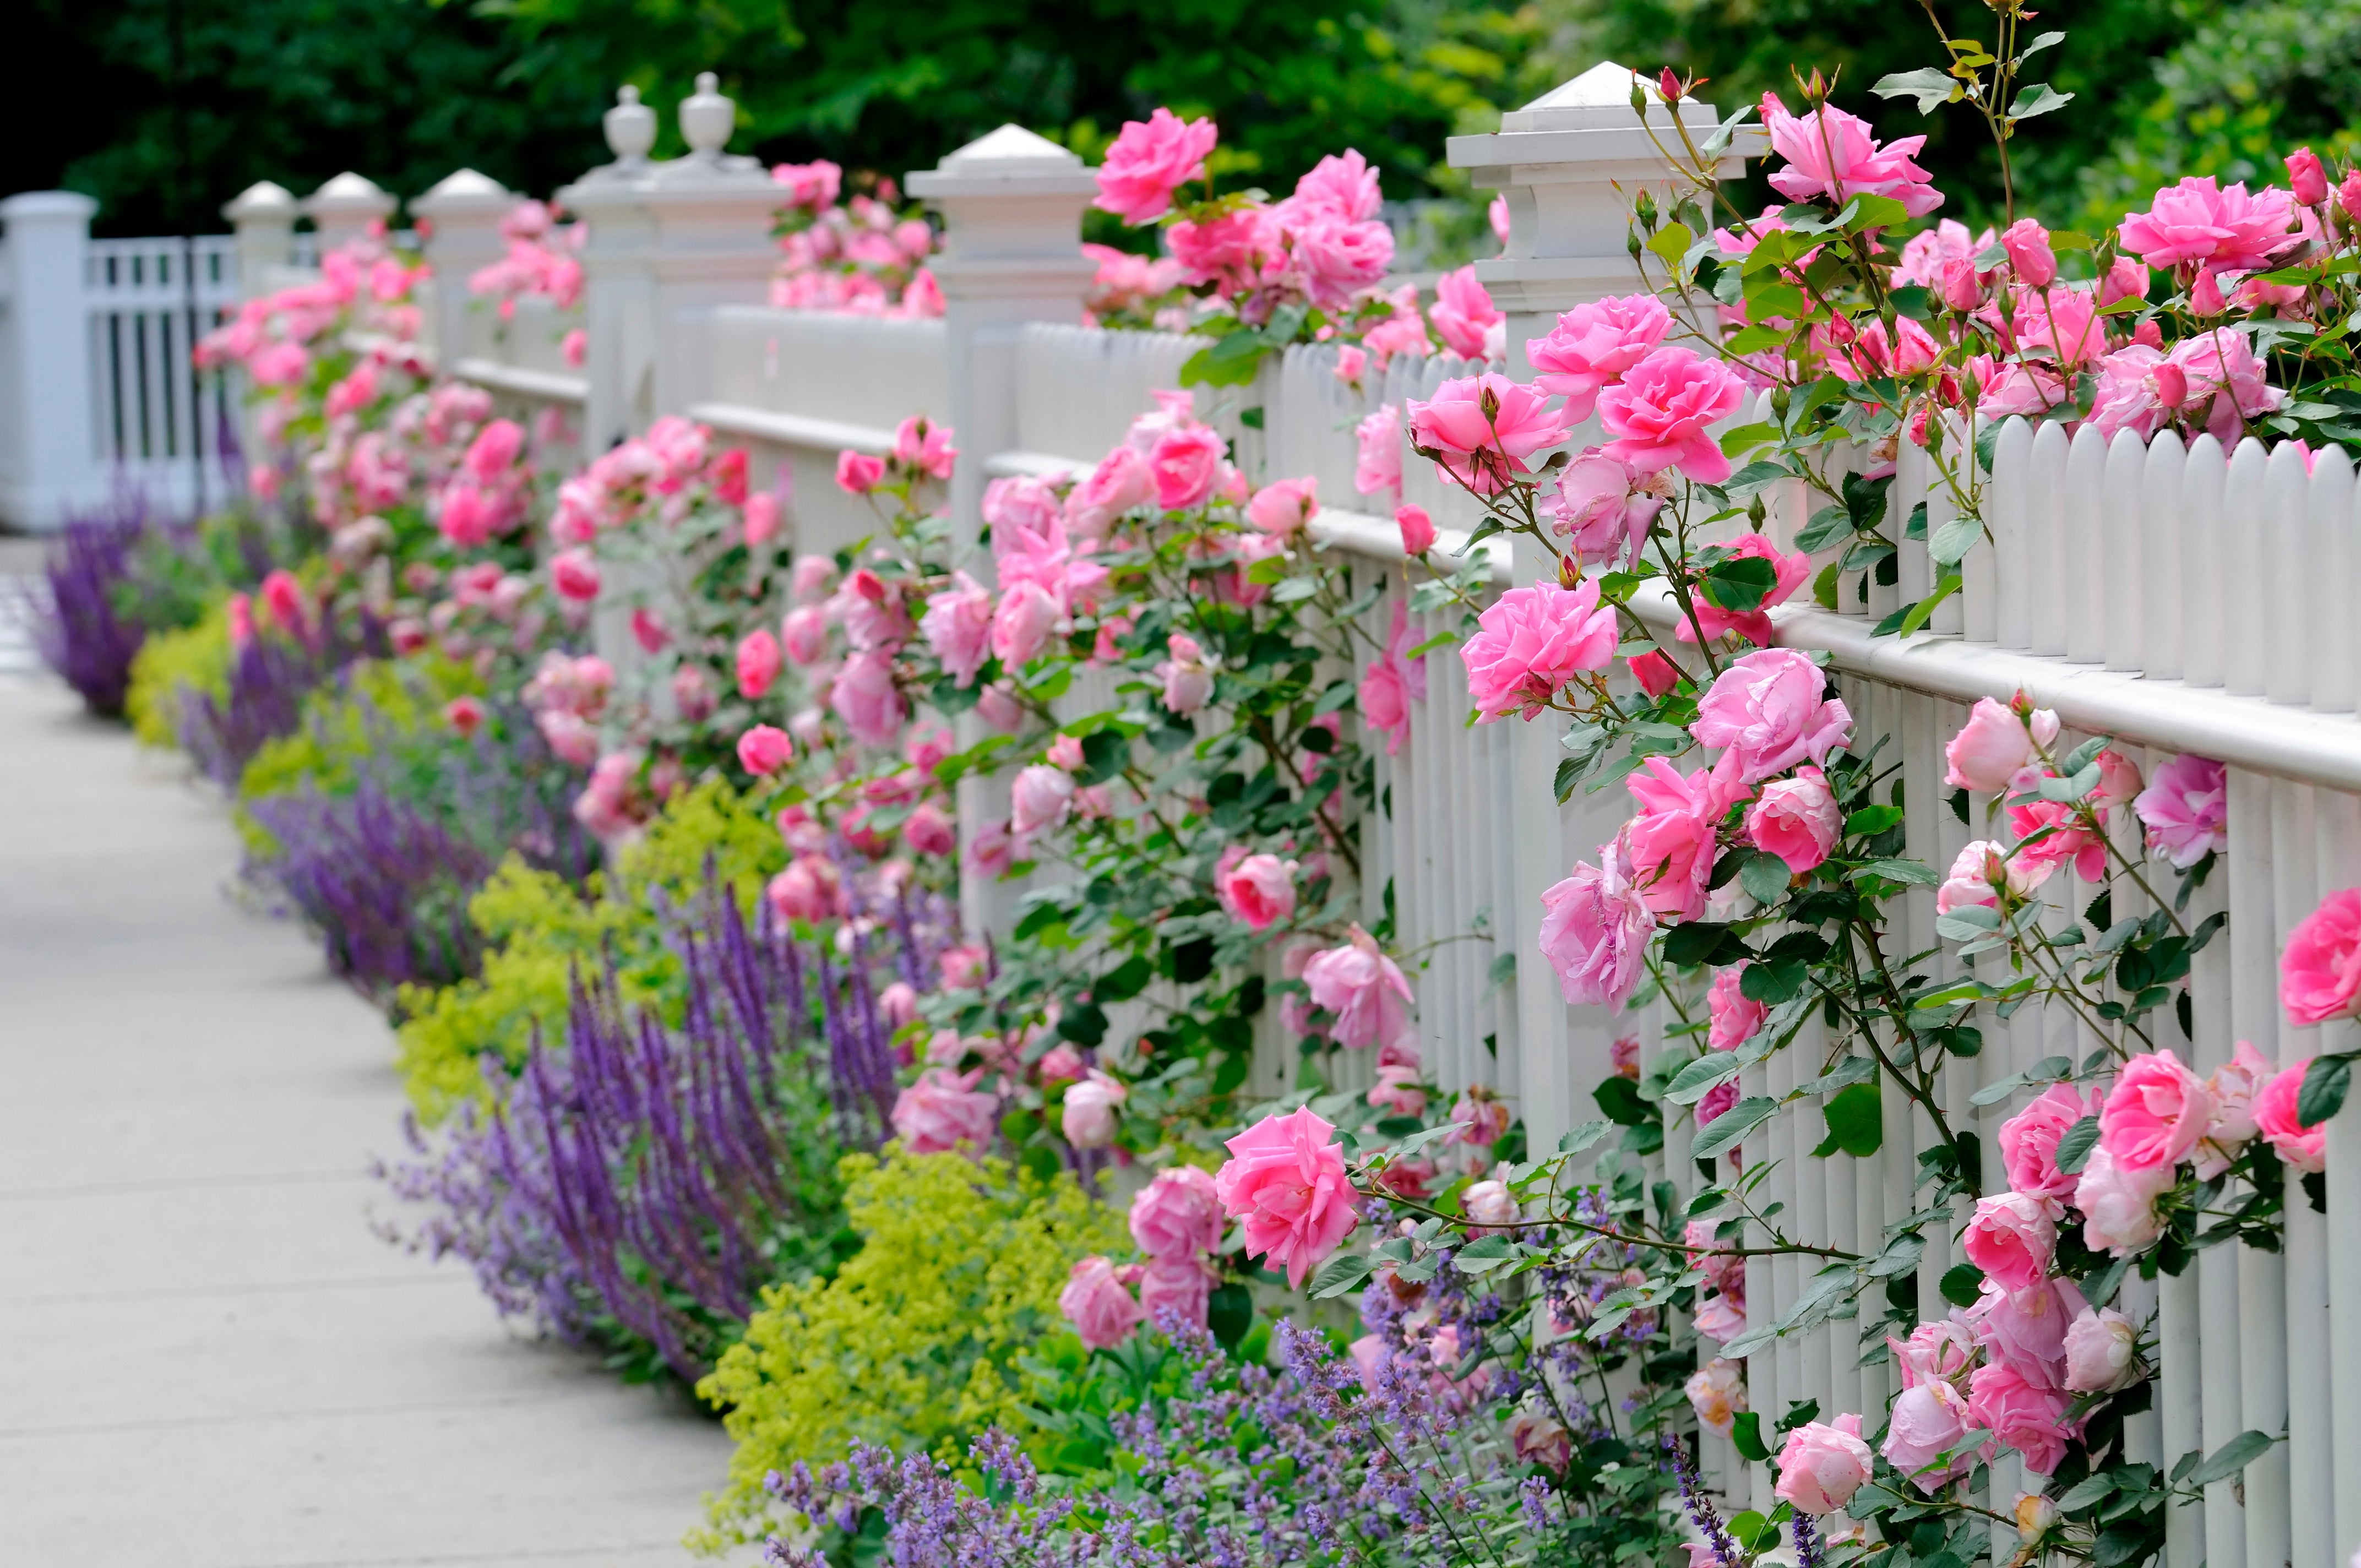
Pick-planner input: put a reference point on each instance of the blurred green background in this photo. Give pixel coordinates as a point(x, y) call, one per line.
point(405, 91)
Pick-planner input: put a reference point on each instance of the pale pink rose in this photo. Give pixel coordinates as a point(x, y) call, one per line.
point(1463, 312)
point(1994, 745)
point(1185, 463)
point(1593, 345)
point(1669, 847)
point(765, 749)
point(1939, 1352)
point(2319, 972)
point(1479, 449)
point(930, 831)
point(1594, 932)
point(1178, 1214)
point(1364, 989)
point(803, 635)
point(1733, 1018)
point(958, 626)
point(1717, 1392)
point(467, 518)
point(1041, 797)
point(922, 446)
point(1119, 484)
point(1285, 1179)
point(1021, 502)
point(2234, 1085)
point(811, 578)
point(758, 664)
point(1822, 1465)
point(900, 1005)
point(1489, 1205)
point(1352, 363)
point(1417, 529)
point(2011, 1238)
point(2069, 842)
point(1399, 1090)
point(2306, 1148)
point(1479, 1118)
point(1391, 681)
point(1094, 1300)
point(1377, 467)
point(1797, 819)
point(2186, 809)
point(1767, 709)
point(2200, 221)
point(1188, 680)
point(573, 737)
point(1337, 258)
point(1927, 1420)
point(943, 1110)
point(2022, 1414)
point(1093, 1110)
point(1259, 890)
point(1923, 254)
point(1661, 411)
point(1598, 508)
point(2026, 1328)
point(863, 695)
point(2029, 1142)
point(1022, 623)
point(1978, 873)
point(2221, 382)
point(2118, 1204)
point(993, 850)
point(1284, 507)
point(1532, 642)
point(810, 889)
point(1790, 571)
point(1537, 1439)
point(1831, 154)
point(859, 473)
point(2102, 1348)
point(1182, 1286)
point(2156, 1112)
point(998, 707)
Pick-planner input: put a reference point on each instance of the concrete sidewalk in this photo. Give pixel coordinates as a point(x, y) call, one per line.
point(206, 1359)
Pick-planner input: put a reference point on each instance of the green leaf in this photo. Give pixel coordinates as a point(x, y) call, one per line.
point(1619, 1098)
point(2089, 1490)
point(1104, 752)
point(1929, 86)
point(1757, 474)
point(1740, 583)
point(1772, 981)
point(1954, 539)
point(1856, 1118)
point(1732, 1126)
point(1233, 362)
point(1670, 242)
point(1580, 1137)
point(2074, 1148)
point(1483, 1253)
point(2038, 99)
point(1917, 615)
point(1267, 571)
point(2048, 1069)
point(1692, 1083)
point(1910, 872)
point(1746, 1433)
point(1502, 972)
point(1870, 211)
point(2324, 1086)
point(2230, 1458)
point(1964, 1285)
point(1764, 877)
point(1345, 1271)
point(1294, 589)
point(1871, 821)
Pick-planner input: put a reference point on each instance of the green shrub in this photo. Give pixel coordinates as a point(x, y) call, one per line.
point(194, 658)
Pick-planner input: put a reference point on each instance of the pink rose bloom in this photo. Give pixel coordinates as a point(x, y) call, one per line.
point(1463, 312)
point(2319, 972)
point(997, 706)
point(858, 473)
point(803, 634)
point(2306, 1148)
point(1994, 745)
point(1188, 680)
point(2186, 809)
point(2156, 1112)
point(1417, 529)
point(1338, 258)
point(1398, 1090)
point(2234, 1085)
point(1344, 187)
point(2306, 178)
point(1536, 1438)
point(958, 626)
point(1791, 571)
point(929, 831)
point(2029, 1142)
point(1797, 819)
point(2023, 1415)
point(574, 575)
point(1284, 507)
point(1767, 710)
point(809, 890)
point(1182, 1286)
point(1670, 846)
point(944, 1109)
point(1822, 1465)
point(1022, 623)
point(1717, 1392)
point(1940, 1352)
point(1103, 1311)
point(2222, 379)
point(1600, 509)
point(1534, 641)
point(1377, 463)
point(1593, 345)
point(2100, 1352)
point(863, 695)
point(758, 664)
point(1927, 1422)
point(1977, 876)
point(1041, 797)
point(1481, 450)
point(1364, 989)
point(811, 578)
point(2118, 1203)
point(993, 850)
point(765, 749)
point(1227, 251)
point(922, 446)
point(1652, 673)
point(1391, 682)
point(1178, 1214)
point(763, 517)
point(1259, 890)
point(1594, 932)
point(2064, 319)
point(1093, 1110)
point(1285, 1179)
point(2199, 221)
point(1149, 161)
point(1660, 413)
point(1479, 1118)
point(466, 517)
point(2119, 779)
point(2029, 256)
point(1830, 153)
point(1352, 363)
point(2011, 1238)
point(1734, 1018)
point(2072, 843)
point(1709, 1110)
point(1119, 484)
point(1185, 465)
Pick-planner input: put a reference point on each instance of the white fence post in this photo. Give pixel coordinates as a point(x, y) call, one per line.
point(1012, 205)
point(264, 216)
point(343, 208)
point(50, 440)
point(462, 212)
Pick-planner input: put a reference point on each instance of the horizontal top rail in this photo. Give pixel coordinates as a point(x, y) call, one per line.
point(546, 385)
point(792, 430)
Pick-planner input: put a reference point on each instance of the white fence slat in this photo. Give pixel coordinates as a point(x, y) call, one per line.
point(2045, 538)
point(2289, 574)
point(2122, 581)
point(2160, 550)
point(2203, 547)
point(2329, 560)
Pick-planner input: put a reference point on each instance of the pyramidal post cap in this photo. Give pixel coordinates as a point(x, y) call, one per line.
point(263, 200)
point(1598, 99)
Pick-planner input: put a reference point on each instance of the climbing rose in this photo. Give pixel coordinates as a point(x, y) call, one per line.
point(2029, 256)
point(1184, 465)
point(866, 698)
point(858, 472)
point(758, 663)
point(930, 831)
point(1378, 461)
point(1284, 507)
point(1532, 641)
point(1717, 1392)
point(2156, 1112)
point(1479, 450)
point(1464, 312)
point(1594, 932)
point(1259, 890)
point(1797, 819)
point(1994, 745)
point(2029, 1142)
point(2011, 1239)
point(2023, 1414)
point(803, 634)
point(1766, 708)
point(2320, 973)
point(1178, 1214)
point(1790, 573)
point(958, 626)
point(1417, 529)
point(2186, 809)
point(765, 749)
point(1285, 1179)
point(1670, 845)
point(1103, 1313)
point(1183, 1285)
point(2306, 1148)
point(1599, 509)
point(1593, 345)
point(943, 1110)
point(1093, 1110)
point(2118, 1204)
point(924, 447)
point(1364, 989)
point(2099, 1352)
point(1823, 1465)
point(1927, 1420)
point(1041, 797)
point(1149, 161)
point(574, 575)
point(1830, 153)
point(2220, 228)
point(1661, 411)
point(1120, 483)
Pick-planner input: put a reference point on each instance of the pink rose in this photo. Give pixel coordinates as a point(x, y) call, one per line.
point(1717, 1392)
point(1830, 153)
point(2029, 256)
point(2306, 1148)
point(2319, 972)
point(944, 1109)
point(1399, 1090)
point(1417, 530)
point(809, 890)
point(1710, 1109)
point(2068, 842)
point(1284, 507)
point(1593, 345)
point(1660, 413)
point(1600, 509)
point(1118, 484)
point(1533, 641)
point(1364, 989)
point(1182, 1286)
point(1149, 161)
point(803, 634)
point(2026, 1328)
point(958, 626)
point(2306, 179)
point(1463, 312)
point(863, 695)
point(2234, 1085)
point(1537, 1439)
point(1652, 673)
point(1927, 1422)
point(2100, 1352)
point(2200, 221)
point(763, 519)
point(1479, 1118)
point(922, 446)
point(1940, 1352)
point(1378, 464)
point(1178, 1214)
point(758, 664)
point(1041, 797)
point(929, 831)
point(993, 850)
point(2156, 1112)
point(2118, 1203)
point(1482, 428)
point(1822, 1465)
point(2023, 1415)
point(1337, 258)
point(2186, 809)
point(465, 519)
point(1022, 624)
point(2011, 1239)
point(1981, 870)
point(811, 578)
point(1767, 709)
point(1734, 1018)
point(765, 749)
point(2029, 1142)
point(1185, 463)
point(1093, 1110)
point(1790, 571)
point(1103, 1311)
point(1797, 819)
point(998, 707)
point(1259, 890)
point(1285, 1179)
point(1994, 745)
point(858, 473)
point(1594, 932)
point(574, 575)
point(1188, 680)
point(1670, 846)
